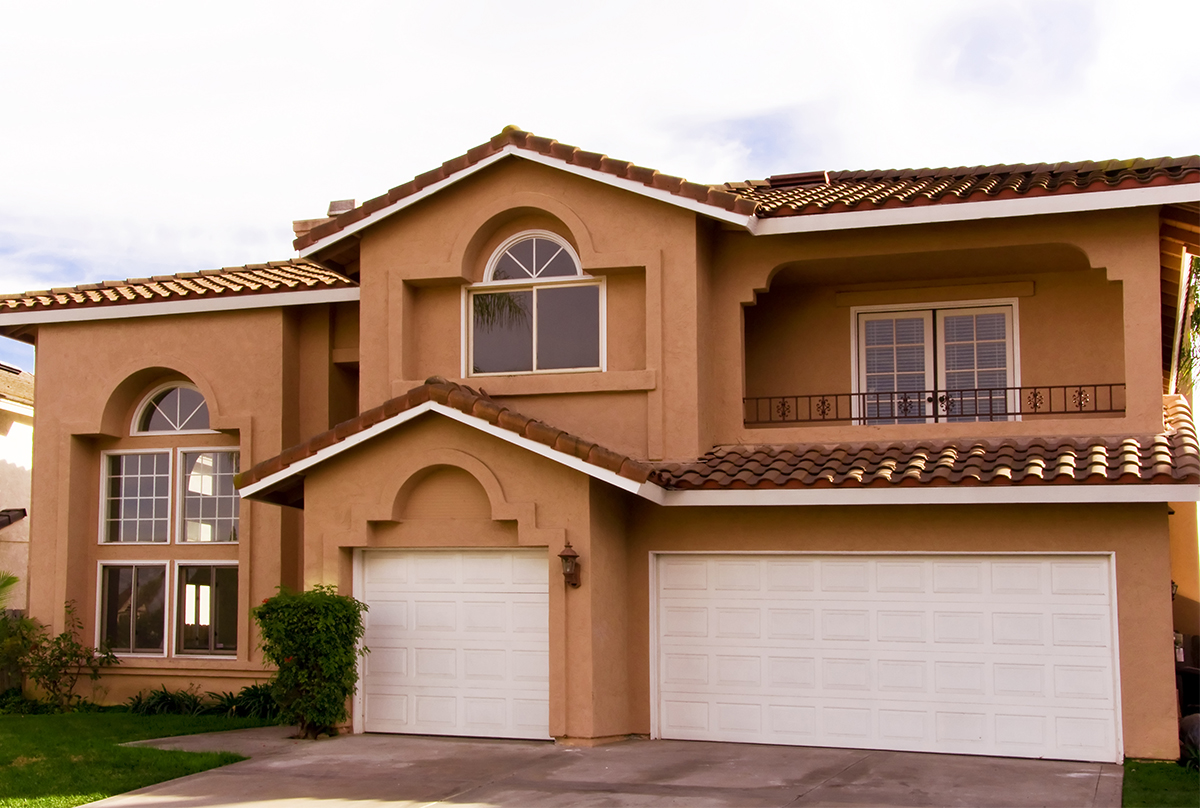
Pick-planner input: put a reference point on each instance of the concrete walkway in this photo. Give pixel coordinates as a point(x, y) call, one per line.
point(420, 771)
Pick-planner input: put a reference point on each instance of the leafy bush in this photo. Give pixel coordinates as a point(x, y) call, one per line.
point(56, 663)
point(16, 635)
point(312, 638)
point(257, 701)
point(14, 702)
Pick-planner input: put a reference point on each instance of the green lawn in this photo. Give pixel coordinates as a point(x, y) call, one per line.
point(1159, 784)
point(53, 761)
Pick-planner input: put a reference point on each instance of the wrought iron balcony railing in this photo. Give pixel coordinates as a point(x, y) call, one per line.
point(933, 406)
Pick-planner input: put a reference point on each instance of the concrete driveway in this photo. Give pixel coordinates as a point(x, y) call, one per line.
point(414, 770)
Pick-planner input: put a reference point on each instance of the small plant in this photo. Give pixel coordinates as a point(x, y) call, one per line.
point(162, 701)
point(56, 663)
point(223, 703)
point(14, 702)
point(312, 638)
point(257, 701)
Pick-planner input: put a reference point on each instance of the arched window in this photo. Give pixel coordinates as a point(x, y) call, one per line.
point(536, 311)
point(173, 408)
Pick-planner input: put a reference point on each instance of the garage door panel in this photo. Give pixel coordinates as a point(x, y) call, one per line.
point(459, 643)
point(937, 653)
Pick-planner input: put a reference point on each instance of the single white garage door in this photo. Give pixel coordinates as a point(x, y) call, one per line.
point(989, 655)
point(459, 643)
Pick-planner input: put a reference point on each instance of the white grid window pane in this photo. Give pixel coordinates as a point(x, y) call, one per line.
point(894, 362)
point(137, 497)
point(210, 501)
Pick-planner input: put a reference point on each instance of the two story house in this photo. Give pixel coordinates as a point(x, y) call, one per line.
point(864, 459)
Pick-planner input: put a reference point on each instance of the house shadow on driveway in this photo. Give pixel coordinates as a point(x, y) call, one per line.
point(418, 770)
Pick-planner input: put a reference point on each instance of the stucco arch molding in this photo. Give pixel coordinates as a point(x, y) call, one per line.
point(385, 509)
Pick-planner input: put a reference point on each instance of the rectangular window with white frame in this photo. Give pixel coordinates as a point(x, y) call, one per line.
point(133, 607)
point(159, 496)
point(936, 363)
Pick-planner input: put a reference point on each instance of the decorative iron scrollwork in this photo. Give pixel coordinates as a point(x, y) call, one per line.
point(824, 407)
point(1081, 398)
point(1036, 400)
point(783, 409)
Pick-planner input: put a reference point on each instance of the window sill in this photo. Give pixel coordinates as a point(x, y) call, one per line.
point(544, 384)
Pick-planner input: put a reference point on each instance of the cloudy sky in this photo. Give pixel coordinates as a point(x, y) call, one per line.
point(151, 138)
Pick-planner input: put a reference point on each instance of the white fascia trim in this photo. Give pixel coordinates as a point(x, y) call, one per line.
point(16, 407)
point(470, 420)
point(984, 209)
point(128, 310)
point(948, 495)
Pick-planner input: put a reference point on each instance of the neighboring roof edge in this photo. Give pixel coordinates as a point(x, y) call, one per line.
point(722, 202)
point(10, 515)
point(278, 478)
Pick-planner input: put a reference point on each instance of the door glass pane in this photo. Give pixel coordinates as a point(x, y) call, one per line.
point(568, 327)
point(195, 608)
point(502, 332)
point(894, 363)
point(975, 354)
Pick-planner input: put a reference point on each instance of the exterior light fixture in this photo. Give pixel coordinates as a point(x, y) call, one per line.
point(570, 564)
point(1174, 586)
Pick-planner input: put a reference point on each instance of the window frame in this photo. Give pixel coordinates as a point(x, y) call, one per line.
point(935, 311)
point(176, 616)
point(166, 566)
point(178, 480)
point(487, 285)
point(175, 496)
point(149, 397)
point(105, 476)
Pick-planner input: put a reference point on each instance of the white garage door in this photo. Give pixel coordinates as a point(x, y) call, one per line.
point(459, 643)
point(990, 655)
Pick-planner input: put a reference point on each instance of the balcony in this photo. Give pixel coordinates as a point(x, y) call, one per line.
point(936, 406)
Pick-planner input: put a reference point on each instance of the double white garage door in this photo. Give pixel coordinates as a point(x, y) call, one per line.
point(993, 655)
point(996, 655)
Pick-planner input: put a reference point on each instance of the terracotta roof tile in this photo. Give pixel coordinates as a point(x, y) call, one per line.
point(465, 400)
point(1169, 457)
point(812, 192)
point(274, 276)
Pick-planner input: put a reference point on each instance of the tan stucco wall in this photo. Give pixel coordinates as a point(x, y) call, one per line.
point(265, 375)
point(1185, 567)
point(1137, 534)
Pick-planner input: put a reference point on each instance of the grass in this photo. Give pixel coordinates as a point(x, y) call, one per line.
point(55, 761)
point(1159, 784)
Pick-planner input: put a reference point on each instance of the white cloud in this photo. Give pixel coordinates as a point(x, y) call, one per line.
point(148, 138)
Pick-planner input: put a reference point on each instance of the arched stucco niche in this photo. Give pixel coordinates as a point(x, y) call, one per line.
point(452, 500)
point(117, 414)
point(487, 227)
point(798, 326)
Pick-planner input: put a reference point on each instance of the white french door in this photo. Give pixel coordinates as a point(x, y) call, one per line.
point(925, 365)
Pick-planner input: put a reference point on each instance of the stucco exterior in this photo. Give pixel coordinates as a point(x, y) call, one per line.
point(697, 315)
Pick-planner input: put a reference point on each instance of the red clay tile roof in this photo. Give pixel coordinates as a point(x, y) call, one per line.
point(812, 192)
point(466, 400)
point(1171, 457)
point(843, 191)
point(252, 279)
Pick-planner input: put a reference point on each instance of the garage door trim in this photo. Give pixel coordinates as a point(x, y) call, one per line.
point(1114, 621)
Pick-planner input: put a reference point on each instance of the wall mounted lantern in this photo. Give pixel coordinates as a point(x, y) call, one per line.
point(570, 564)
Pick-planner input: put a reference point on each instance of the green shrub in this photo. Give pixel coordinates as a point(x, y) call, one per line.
point(16, 635)
point(56, 663)
point(14, 702)
point(257, 701)
point(312, 638)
